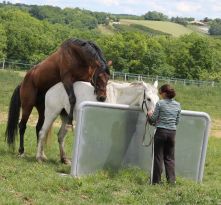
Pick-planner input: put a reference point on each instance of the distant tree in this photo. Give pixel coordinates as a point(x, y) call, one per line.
point(154, 15)
point(180, 20)
point(100, 16)
point(28, 39)
point(3, 41)
point(217, 20)
point(77, 18)
point(107, 21)
point(215, 28)
point(189, 18)
point(190, 55)
point(206, 20)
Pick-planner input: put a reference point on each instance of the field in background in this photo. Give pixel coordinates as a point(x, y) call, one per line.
point(163, 26)
point(151, 28)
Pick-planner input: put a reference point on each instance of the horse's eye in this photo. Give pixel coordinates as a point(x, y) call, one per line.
point(149, 99)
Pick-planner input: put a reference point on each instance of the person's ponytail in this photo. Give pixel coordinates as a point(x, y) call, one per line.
point(170, 92)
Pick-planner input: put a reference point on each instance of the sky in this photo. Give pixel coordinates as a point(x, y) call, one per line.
point(198, 9)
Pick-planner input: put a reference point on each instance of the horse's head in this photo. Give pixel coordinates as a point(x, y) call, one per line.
point(99, 80)
point(150, 97)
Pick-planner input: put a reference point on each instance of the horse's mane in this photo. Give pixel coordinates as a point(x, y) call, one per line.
point(99, 55)
point(143, 84)
point(90, 49)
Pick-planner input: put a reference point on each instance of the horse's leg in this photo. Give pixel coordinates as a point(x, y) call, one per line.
point(28, 100)
point(50, 117)
point(26, 111)
point(68, 85)
point(61, 135)
point(40, 108)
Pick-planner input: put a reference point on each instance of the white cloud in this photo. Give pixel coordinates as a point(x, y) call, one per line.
point(216, 7)
point(109, 2)
point(155, 6)
point(188, 7)
point(185, 8)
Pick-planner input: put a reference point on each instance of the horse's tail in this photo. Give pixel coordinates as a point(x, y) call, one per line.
point(13, 117)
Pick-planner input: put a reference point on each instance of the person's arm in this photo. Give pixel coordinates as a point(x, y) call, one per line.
point(178, 117)
point(154, 116)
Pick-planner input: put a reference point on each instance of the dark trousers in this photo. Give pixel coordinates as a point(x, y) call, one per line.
point(164, 148)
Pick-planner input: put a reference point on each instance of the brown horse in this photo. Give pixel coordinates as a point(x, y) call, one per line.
point(75, 60)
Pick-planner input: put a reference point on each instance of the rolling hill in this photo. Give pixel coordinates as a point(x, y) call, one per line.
point(173, 29)
point(150, 27)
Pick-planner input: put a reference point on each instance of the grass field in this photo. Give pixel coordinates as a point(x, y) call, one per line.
point(24, 181)
point(163, 26)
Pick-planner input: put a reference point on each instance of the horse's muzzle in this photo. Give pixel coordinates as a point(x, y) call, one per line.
point(101, 98)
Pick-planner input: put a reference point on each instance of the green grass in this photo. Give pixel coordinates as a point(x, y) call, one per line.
point(203, 99)
point(163, 26)
point(24, 181)
point(8, 82)
point(138, 28)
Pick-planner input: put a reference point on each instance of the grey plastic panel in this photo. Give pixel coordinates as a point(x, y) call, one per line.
point(108, 135)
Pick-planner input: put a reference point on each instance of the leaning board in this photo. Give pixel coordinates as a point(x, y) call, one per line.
point(110, 136)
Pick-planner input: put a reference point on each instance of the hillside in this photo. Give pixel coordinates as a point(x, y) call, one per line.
point(163, 26)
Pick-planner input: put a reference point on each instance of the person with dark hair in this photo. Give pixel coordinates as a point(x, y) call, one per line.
point(165, 117)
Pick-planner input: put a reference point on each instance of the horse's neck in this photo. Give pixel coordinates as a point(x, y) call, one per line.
point(124, 94)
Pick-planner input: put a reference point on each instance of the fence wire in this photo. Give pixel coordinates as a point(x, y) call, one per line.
point(128, 77)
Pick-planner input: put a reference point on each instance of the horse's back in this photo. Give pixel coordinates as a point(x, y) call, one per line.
point(84, 91)
point(56, 98)
point(42, 76)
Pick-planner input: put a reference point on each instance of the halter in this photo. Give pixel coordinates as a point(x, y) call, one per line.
point(93, 80)
point(144, 103)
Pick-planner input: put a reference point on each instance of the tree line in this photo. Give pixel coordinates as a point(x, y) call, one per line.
point(26, 36)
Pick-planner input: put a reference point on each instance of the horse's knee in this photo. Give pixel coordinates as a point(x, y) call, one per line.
point(42, 136)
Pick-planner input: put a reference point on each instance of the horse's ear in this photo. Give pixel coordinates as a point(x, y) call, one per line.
point(109, 63)
point(155, 84)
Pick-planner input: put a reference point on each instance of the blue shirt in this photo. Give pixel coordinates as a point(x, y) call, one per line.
point(166, 114)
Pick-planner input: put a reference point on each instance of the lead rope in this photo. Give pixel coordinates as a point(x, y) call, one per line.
point(147, 120)
point(151, 141)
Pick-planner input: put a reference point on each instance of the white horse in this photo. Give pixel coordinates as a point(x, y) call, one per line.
point(57, 102)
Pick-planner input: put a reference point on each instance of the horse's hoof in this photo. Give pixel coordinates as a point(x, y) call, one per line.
point(44, 158)
point(69, 127)
point(66, 161)
point(21, 155)
point(41, 159)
